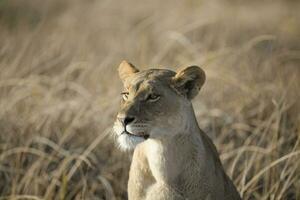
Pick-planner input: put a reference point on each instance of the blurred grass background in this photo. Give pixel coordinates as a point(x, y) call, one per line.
point(59, 90)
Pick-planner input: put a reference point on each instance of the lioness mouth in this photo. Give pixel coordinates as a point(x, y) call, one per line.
point(145, 136)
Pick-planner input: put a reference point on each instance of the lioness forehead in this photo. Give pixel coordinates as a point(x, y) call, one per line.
point(151, 77)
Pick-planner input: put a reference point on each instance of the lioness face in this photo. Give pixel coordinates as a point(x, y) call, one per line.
point(154, 103)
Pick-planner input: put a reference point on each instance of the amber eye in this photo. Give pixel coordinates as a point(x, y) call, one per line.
point(153, 97)
point(125, 95)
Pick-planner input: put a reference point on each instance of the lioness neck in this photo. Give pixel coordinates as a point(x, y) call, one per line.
point(166, 156)
point(186, 165)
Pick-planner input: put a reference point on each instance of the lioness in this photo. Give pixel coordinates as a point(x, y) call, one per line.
point(173, 158)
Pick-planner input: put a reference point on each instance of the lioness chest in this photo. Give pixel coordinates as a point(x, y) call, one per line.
point(164, 163)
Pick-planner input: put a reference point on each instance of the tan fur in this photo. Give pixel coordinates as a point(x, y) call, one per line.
point(178, 160)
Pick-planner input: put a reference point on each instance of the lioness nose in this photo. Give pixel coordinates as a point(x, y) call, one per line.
point(127, 120)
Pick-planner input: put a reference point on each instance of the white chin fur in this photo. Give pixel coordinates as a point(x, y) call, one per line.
point(127, 142)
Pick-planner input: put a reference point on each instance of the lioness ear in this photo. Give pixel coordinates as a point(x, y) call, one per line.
point(189, 81)
point(126, 69)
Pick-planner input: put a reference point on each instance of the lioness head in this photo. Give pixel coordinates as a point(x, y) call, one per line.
point(155, 103)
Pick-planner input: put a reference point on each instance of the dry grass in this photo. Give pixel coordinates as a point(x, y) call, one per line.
point(59, 90)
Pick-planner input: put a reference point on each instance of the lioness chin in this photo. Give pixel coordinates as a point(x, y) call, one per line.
point(173, 158)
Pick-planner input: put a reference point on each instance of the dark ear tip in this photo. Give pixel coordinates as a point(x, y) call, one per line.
point(195, 68)
point(203, 75)
point(199, 71)
point(190, 80)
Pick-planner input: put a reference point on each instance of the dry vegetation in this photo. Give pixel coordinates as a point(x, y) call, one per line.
point(59, 90)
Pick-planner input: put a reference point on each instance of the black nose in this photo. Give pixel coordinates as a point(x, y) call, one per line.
point(127, 120)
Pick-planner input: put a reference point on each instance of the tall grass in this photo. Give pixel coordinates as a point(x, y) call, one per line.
point(59, 90)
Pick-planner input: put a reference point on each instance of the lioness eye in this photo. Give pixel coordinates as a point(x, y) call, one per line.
point(125, 95)
point(153, 97)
